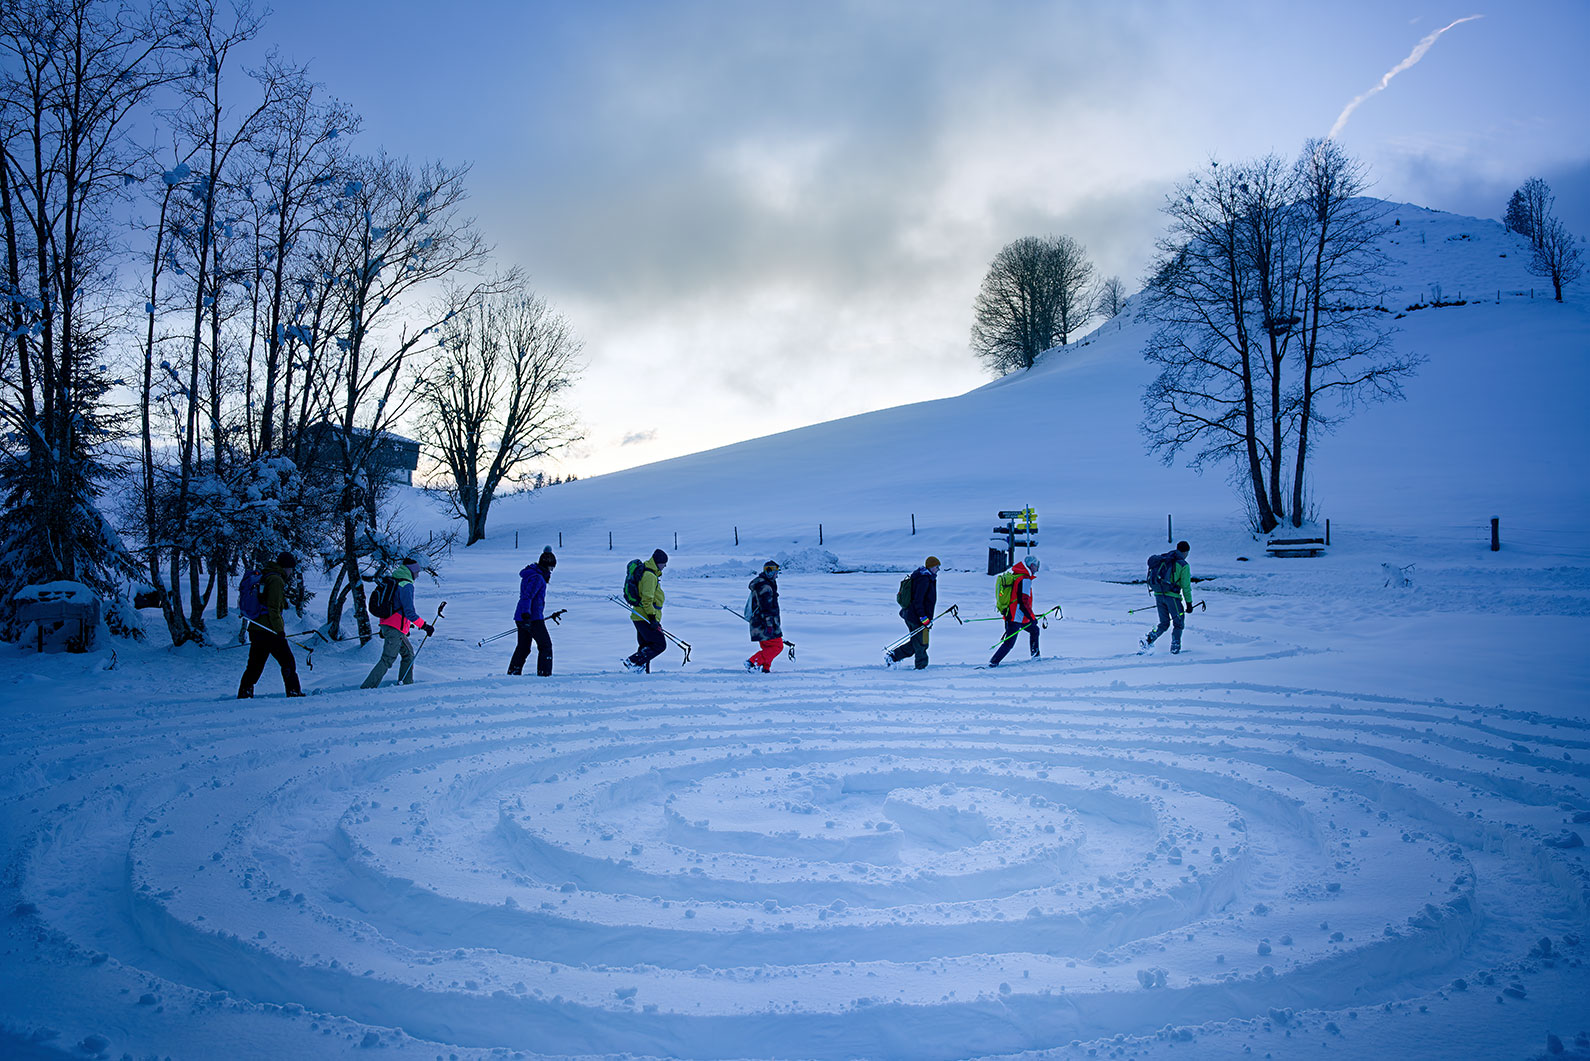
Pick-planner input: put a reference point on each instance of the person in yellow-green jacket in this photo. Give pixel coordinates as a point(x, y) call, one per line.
point(644, 594)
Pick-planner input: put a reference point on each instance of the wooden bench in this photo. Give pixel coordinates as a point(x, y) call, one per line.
point(1295, 546)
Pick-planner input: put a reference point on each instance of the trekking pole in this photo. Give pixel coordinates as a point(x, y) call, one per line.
point(1041, 616)
point(953, 609)
point(495, 637)
point(309, 650)
point(683, 644)
point(557, 616)
point(428, 628)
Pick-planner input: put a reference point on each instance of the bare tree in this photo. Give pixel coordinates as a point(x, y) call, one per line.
point(1265, 296)
point(489, 400)
point(1032, 299)
point(72, 74)
point(1557, 256)
point(1110, 297)
point(1528, 210)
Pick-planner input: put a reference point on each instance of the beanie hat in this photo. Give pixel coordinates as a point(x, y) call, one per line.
point(1183, 547)
point(931, 561)
point(659, 556)
point(286, 560)
point(547, 558)
point(772, 566)
point(409, 561)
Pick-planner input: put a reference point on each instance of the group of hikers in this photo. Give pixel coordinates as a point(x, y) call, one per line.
point(263, 594)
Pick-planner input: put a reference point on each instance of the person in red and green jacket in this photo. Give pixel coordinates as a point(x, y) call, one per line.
point(1019, 611)
point(395, 629)
point(1173, 605)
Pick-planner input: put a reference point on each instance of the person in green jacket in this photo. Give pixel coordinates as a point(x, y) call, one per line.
point(267, 635)
point(647, 615)
point(1174, 602)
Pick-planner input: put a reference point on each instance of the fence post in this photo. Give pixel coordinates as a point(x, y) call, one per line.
point(609, 541)
point(913, 524)
point(1496, 534)
point(819, 534)
point(560, 539)
point(1170, 533)
point(736, 535)
point(676, 541)
point(1327, 532)
point(516, 540)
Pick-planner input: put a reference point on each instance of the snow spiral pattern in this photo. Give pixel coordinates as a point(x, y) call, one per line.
point(831, 868)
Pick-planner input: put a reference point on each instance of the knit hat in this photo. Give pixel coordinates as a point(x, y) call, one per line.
point(771, 567)
point(286, 560)
point(1183, 547)
point(931, 561)
point(660, 557)
point(546, 558)
point(409, 561)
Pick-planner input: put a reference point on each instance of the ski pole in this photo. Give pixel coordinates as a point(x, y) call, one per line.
point(309, 650)
point(495, 637)
point(1041, 616)
point(953, 609)
point(402, 673)
point(1151, 607)
point(683, 644)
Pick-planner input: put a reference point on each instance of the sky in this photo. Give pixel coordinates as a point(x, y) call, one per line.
point(762, 215)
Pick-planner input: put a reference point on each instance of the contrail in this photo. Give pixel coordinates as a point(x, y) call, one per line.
point(1413, 57)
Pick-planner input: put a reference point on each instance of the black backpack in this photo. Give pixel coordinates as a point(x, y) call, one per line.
point(384, 598)
point(1162, 573)
point(632, 575)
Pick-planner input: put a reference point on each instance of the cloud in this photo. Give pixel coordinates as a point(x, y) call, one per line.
point(635, 438)
point(1413, 57)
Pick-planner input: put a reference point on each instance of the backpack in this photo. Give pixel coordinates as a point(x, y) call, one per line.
point(902, 596)
point(1162, 573)
point(248, 601)
point(383, 599)
point(632, 575)
point(1004, 587)
point(750, 607)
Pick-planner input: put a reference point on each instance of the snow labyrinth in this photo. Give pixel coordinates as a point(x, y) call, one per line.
point(844, 863)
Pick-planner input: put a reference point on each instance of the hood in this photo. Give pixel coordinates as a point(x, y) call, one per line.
point(402, 573)
point(1021, 569)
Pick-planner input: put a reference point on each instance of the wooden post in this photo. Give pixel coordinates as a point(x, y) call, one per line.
point(1496, 534)
point(516, 540)
point(560, 539)
point(609, 541)
point(913, 524)
point(1170, 533)
point(736, 535)
point(819, 534)
point(676, 541)
point(1327, 532)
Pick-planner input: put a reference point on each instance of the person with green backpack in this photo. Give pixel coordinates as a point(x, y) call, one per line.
point(1013, 598)
point(917, 597)
point(261, 597)
point(643, 593)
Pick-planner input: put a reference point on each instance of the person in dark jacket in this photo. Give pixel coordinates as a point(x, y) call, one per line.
point(764, 619)
point(530, 616)
point(395, 629)
point(918, 615)
point(267, 636)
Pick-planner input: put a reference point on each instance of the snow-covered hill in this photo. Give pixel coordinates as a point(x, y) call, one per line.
point(1346, 821)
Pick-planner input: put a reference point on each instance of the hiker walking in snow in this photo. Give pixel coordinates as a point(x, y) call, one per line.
point(645, 598)
point(1170, 581)
point(1013, 597)
point(267, 633)
point(917, 613)
point(530, 615)
point(761, 611)
point(396, 625)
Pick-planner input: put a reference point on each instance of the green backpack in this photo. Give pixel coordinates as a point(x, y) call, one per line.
point(902, 596)
point(1004, 586)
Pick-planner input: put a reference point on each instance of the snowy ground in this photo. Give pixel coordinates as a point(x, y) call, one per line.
point(1338, 824)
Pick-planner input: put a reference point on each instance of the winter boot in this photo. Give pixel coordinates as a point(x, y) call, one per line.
point(245, 692)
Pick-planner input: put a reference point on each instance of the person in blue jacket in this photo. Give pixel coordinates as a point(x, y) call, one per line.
point(530, 616)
